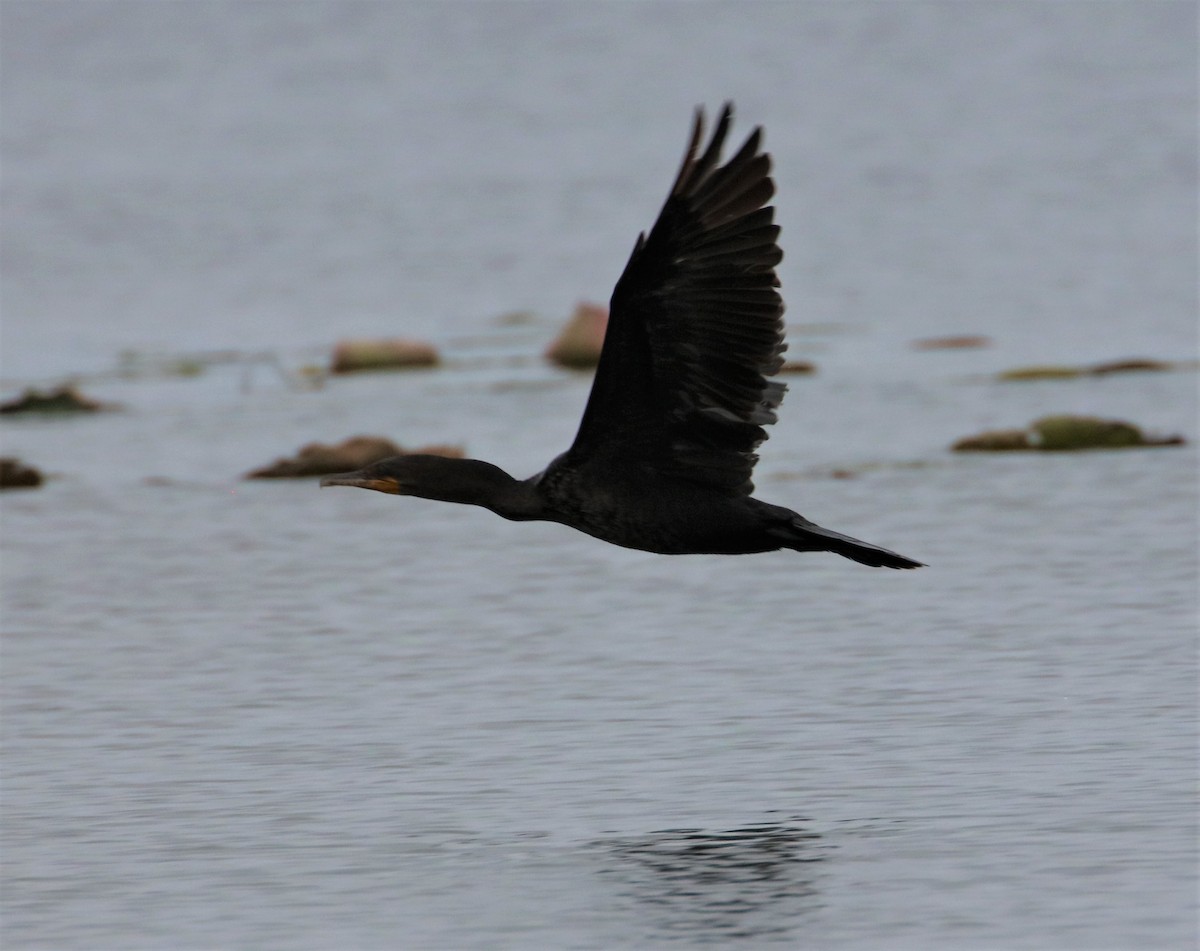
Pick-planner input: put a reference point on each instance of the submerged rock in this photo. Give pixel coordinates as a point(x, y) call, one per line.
point(64, 399)
point(320, 459)
point(1020, 374)
point(1053, 433)
point(14, 474)
point(138, 365)
point(1064, 433)
point(578, 344)
point(955, 342)
point(996, 440)
point(516, 318)
point(1057, 372)
point(1133, 365)
point(395, 353)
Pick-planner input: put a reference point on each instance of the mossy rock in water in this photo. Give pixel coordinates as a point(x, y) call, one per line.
point(1057, 372)
point(319, 459)
point(14, 474)
point(996, 440)
point(1054, 433)
point(355, 356)
point(1131, 365)
point(1064, 433)
point(1021, 374)
point(952, 342)
point(581, 339)
point(64, 399)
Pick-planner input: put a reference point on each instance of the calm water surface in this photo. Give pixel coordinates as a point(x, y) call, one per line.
point(256, 715)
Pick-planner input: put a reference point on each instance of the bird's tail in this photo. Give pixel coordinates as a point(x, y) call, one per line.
point(803, 535)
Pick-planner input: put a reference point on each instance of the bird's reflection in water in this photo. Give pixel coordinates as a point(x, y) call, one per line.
point(750, 882)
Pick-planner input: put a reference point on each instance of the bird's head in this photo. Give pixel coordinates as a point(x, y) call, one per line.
point(469, 481)
point(398, 475)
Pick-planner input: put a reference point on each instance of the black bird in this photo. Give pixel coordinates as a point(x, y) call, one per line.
point(664, 453)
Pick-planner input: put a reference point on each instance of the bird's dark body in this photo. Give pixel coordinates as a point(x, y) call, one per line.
point(645, 511)
point(663, 458)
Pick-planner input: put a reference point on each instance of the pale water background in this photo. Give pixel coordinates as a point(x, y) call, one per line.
point(255, 715)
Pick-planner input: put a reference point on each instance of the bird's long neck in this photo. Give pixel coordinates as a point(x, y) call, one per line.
point(474, 482)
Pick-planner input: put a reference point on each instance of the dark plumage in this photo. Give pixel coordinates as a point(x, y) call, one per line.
point(664, 454)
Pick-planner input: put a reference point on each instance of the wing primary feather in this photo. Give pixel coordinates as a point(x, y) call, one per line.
point(745, 169)
point(704, 166)
point(689, 156)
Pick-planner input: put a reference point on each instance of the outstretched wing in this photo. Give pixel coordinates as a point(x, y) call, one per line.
point(695, 328)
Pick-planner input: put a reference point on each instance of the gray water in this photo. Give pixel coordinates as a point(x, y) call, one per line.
point(255, 715)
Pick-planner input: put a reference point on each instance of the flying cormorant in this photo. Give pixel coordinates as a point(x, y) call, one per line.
point(664, 453)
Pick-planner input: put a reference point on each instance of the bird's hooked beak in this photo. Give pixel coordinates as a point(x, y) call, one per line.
point(361, 480)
